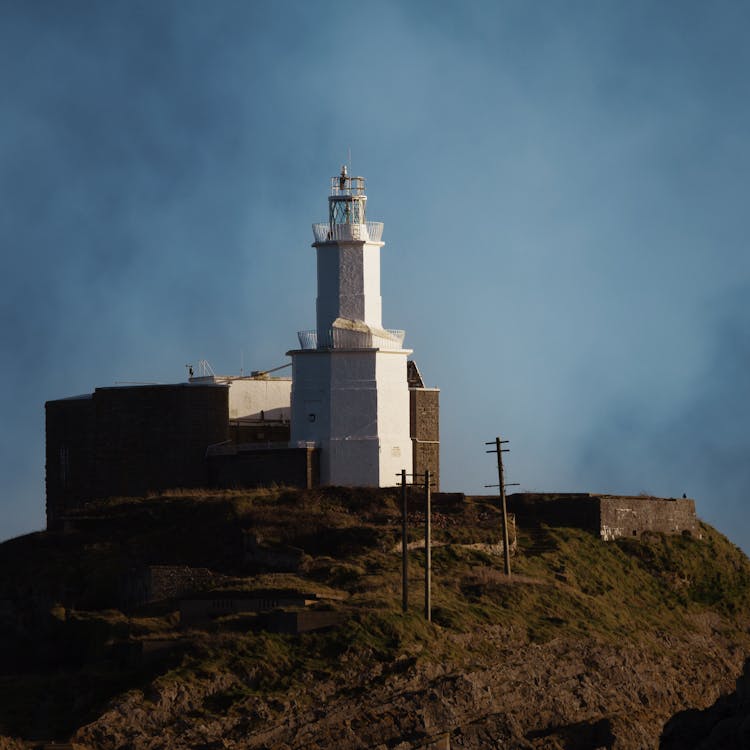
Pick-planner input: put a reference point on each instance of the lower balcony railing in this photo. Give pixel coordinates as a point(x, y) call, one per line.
point(370, 231)
point(343, 338)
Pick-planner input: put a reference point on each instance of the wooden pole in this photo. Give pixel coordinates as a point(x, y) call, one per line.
point(404, 546)
point(427, 548)
point(501, 480)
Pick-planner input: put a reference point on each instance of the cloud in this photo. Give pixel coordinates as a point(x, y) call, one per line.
point(697, 441)
point(563, 195)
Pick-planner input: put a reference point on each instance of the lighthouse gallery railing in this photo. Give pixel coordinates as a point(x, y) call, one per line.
point(370, 231)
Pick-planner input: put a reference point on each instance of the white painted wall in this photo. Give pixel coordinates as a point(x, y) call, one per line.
point(371, 272)
point(354, 456)
point(249, 397)
point(327, 303)
point(353, 403)
point(354, 463)
point(393, 416)
point(359, 399)
point(311, 397)
point(348, 283)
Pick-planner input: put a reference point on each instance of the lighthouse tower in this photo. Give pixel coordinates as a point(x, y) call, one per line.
point(350, 395)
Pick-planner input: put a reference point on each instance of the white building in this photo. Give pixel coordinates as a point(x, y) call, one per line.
point(350, 395)
point(255, 398)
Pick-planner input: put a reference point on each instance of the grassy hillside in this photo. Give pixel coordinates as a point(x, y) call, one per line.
point(578, 619)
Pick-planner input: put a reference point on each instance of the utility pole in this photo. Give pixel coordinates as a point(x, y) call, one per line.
point(404, 545)
point(427, 544)
point(427, 548)
point(502, 485)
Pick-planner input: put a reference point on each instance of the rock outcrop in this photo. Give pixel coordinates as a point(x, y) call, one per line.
point(561, 694)
point(723, 726)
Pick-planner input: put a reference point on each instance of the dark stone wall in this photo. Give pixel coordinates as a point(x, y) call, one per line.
point(424, 429)
point(171, 581)
point(294, 623)
point(151, 438)
point(221, 603)
point(129, 441)
point(252, 466)
point(427, 456)
point(259, 432)
point(578, 510)
point(69, 453)
point(424, 414)
point(154, 583)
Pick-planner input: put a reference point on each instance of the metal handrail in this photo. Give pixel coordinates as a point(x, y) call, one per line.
point(344, 338)
point(347, 185)
point(308, 339)
point(370, 231)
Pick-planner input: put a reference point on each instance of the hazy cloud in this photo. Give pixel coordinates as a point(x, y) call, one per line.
point(563, 188)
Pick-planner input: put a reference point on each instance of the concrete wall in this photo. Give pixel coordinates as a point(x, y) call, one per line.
point(632, 516)
point(260, 398)
point(424, 428)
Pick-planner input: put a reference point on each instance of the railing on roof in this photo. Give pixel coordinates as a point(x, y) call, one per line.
point(370, 231)
point(308, 339)
point(344, 184)
point(344, 338)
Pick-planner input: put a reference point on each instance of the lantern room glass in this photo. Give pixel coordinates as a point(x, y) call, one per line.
point(346, 210)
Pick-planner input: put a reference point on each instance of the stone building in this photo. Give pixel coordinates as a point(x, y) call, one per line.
point(608, 517)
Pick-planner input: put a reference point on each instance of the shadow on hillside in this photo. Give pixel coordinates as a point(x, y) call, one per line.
point(723, 726)
point(580, 736)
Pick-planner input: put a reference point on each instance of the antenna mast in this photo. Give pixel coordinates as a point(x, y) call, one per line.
point(205, 369)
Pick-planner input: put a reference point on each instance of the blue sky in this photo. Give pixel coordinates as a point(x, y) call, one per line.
point(563, 186)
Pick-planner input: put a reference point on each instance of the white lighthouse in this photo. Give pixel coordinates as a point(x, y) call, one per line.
point(350, 395)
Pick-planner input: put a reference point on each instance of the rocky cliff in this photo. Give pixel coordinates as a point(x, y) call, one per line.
point(588, 645)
